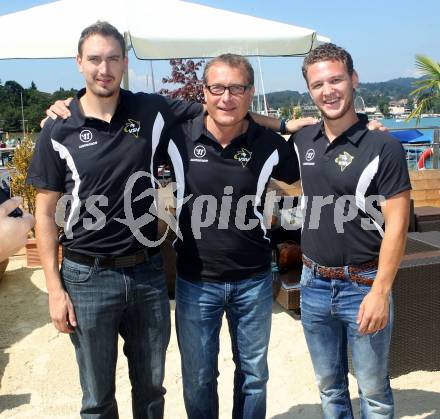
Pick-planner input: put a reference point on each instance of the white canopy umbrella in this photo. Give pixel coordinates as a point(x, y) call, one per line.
point(154, 29)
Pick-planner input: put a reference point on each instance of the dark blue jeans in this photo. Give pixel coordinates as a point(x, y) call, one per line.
point(131, 302)
point(328, 313)
point(199, 310)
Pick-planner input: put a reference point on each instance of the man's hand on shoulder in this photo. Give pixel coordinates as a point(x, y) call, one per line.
point(59, 109)
point(295, 125)
point(375, 125)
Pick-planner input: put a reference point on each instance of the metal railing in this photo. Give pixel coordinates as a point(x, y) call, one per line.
point(423, 156)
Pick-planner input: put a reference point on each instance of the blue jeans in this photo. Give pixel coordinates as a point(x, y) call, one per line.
point(199, 311)
point(328, 313)
point(131, 302)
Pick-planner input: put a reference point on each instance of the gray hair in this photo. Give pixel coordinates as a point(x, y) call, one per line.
point(232, 60)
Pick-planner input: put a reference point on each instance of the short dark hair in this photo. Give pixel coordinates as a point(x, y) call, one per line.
point(327, 52)
point(232, 60)
point(104, 29)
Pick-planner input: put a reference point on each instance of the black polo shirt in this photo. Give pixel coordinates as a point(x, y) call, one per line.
point(341, 182)
point(225, 188)
point(91, 162)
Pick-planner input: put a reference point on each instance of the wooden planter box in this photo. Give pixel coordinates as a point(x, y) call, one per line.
point(3, 266)
point(32, 255)
point(287, 290)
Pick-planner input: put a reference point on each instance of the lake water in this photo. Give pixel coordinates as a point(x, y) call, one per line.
point(413, 152)
point(424, 122)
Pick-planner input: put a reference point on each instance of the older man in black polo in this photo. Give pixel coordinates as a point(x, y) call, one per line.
point(222, 162)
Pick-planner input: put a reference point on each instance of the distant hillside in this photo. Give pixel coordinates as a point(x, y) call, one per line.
point(285, 99)
point(393, 89)
point(371, 92)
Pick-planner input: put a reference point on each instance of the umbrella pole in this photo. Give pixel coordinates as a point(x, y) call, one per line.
point(125, 83)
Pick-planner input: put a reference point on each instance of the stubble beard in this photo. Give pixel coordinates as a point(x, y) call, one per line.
point(104, 94)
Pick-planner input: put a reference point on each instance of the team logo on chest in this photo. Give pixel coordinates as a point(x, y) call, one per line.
point(243, 156)
point(132, 127)
point(344, 160)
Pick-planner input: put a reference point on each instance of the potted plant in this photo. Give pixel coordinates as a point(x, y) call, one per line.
point(18, 168)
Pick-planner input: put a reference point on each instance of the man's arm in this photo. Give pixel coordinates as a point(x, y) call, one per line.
point(13, 230)
point(274, 124)
point(373, 312)
point(60, 306)
point(61, 109)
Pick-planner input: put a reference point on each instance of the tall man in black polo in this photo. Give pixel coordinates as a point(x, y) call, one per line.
point(110, 284)
point(356, 202)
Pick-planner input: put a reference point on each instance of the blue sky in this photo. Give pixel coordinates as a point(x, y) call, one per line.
point(382, 36)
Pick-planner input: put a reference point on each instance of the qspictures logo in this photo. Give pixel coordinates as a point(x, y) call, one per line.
point(206, 210)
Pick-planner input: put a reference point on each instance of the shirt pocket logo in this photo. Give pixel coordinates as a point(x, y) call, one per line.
point(132, 127)
point(344, 160)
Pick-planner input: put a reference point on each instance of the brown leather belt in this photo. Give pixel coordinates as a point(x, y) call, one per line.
point(118, 262)
point(339, 273)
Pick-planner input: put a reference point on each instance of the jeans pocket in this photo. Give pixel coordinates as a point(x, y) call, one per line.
point(362, 288)
point(368, 274)
point(75, 273)
point(306, 277)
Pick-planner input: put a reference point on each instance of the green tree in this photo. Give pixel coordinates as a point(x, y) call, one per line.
point(384, 107)
point(11, 118)
point(286, 112)
point(62, 94)
point(12, 92)
point(428, 88)
point(297, 113)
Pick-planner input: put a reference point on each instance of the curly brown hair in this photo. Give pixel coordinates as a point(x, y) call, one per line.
point(327, 52)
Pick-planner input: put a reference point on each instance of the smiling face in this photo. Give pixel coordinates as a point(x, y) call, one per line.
point(332, 89)
point(227, 110)
point(102, 65)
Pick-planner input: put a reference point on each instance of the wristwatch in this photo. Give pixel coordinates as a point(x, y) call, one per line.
point(283, 129)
